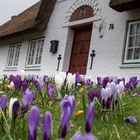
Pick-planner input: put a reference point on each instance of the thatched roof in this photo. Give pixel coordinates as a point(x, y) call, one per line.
point(123, 5)
point(34, 18)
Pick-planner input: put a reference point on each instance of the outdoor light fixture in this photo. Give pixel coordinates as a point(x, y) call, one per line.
point(58, 58)
point(92, 55)
point(54, 46)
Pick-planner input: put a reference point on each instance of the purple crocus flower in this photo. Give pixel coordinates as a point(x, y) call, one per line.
point(136, 94)
point(47, 126)
point(17, 81)
point(11, 78)
point(67, 107)
point(28, 98)
point(134, 81)
point(50, 90)
point(38, 86)
point(3, 101)
point(33, 122)
point(65, 120)
point(15, 109)
point(78, 78)
point(99, 81)
point(24, 85)
point(72, 101)
point(89, 118)
point(79, 136)
point(128, 86)
point(131, 120)
point(65, 104)
point(88, 137)
point(45, 78)
point(92, 94)
point(88, 83)
point(105, 81)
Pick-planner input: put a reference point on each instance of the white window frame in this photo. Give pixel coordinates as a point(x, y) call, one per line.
point(34, 53)
point(131, 61)
point(13, 55)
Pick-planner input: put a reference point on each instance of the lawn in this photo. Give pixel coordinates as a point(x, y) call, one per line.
point(113, 101)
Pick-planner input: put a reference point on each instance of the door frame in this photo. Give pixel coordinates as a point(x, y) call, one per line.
point(80, 27)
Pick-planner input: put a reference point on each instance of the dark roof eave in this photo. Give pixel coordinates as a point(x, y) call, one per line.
point(124, 6)
point(23, 32)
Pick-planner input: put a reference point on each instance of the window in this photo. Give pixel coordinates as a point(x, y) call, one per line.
point(13, 55)
point(34, 54)
point(132, 48)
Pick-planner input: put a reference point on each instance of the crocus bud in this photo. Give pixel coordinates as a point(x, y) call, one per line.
point(22, 74)
point(38, 86)
point(3, 101)
point(50, 89)
point(47, 121)
point(89, 118)
point(13, 108)
point(28, 98)
point(33, 122)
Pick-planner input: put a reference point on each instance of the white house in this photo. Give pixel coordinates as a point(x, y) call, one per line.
point(95, 37)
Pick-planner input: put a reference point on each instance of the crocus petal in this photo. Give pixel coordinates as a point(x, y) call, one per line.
point(136, 94)
point(17, 81)
point(92, 94)
point(65, 104)
point(77, 136)
point(120, 87)
point(3, 101)
point(12, 101)
point(88, 137)
point(88, 83)
point(24, 85)
point(28, 98)
point(45, 78)
point(89, 118)
point(47, 120)
point(15, 109)
point(50, 90)
point(38, 86)
point(65, 119)
point(78, 78)
point(105, 81)
point(60, 78)
point(71, 99)
point(33, 122)
point(70, 79)
point(131, 120)
point(22, 74)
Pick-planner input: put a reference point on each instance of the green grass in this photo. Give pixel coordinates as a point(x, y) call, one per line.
point(110, 126)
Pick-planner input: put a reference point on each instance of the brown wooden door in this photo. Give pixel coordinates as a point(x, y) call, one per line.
point(80, 50)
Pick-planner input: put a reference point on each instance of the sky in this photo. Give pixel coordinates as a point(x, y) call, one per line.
point(9, 8)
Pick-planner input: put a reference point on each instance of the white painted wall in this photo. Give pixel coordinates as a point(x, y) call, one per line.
point(109, 49)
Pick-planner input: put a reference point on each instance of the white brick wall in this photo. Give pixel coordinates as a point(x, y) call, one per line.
point(109, 49)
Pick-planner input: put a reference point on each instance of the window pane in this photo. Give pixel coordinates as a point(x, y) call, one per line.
point(133, 29)
point(137, 53)
point(131, 41)
point(34, 52)
point(17, 55)
point(13, 56)
point(138, 28)
point(37, 53)
point(138, 40)
point(129, 54)
point(41, 50)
